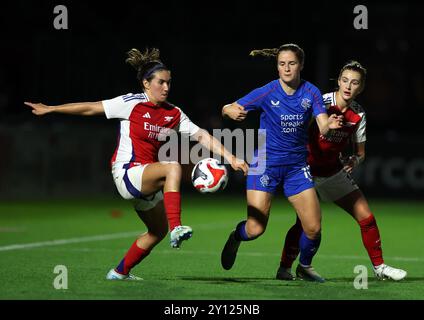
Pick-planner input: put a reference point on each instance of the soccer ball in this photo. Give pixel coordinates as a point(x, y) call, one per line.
point(209, 175)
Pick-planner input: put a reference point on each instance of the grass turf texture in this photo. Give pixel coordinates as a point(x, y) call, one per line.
point(194, 272)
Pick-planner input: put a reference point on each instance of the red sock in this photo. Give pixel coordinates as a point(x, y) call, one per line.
point(371, 240)
point(172, 202)
point(291, 245)
point(132, 258)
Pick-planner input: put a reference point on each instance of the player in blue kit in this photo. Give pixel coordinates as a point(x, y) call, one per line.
point(286, 107)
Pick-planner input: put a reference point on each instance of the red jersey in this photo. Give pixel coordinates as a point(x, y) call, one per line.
point(324, 152)
point(143, 126)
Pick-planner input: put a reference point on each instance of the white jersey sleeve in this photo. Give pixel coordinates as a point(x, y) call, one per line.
point(329, 99)
point(122, 106)
point(186, 126)
point(360, 134)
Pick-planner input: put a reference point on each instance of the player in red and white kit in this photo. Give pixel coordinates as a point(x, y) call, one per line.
point(331, 172)
point(152, 185)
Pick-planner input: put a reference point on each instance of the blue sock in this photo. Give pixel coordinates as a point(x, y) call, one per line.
point(308, 248)
point(241, 234)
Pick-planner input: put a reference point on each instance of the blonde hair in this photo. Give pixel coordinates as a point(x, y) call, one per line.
point(146, 63)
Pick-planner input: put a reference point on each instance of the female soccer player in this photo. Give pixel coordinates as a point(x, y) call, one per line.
point(286, 105)
point(152, 185)
point(332, 173)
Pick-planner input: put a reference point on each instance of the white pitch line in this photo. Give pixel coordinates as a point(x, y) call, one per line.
point(67, 241)
point(12, 229)
point(135, 233)
point(92, 238)
point(319, 256)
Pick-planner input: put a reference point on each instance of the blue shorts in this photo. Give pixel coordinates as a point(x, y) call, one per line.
point(292, 178)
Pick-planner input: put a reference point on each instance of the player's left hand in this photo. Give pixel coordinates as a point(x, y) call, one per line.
point(335, 122)
point(350, 163)
point(238, 164)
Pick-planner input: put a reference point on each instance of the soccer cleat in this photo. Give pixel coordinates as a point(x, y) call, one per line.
point(229, 253)
point(113, 275)
point(284, 274)
point(384, 271)
point(179, 234)
point(308, 274)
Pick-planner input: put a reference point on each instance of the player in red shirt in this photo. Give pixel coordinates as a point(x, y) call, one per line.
point(139, 175)
point(332, 173)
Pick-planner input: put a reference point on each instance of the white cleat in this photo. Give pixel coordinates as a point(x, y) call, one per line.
point(384, 271)
point(308, 274)
point(113, 275)
point(179, 234)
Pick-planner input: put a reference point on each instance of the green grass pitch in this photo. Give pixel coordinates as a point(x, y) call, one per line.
point(96, 235)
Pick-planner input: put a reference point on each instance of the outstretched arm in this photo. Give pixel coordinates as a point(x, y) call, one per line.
point(234, 111)
point(210, 142)
point(80, 108)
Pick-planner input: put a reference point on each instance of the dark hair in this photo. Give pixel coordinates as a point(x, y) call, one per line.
point(355, 66)
point(274, 52)
point(146, 63)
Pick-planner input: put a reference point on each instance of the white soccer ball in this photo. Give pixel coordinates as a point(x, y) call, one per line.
point(209, 175)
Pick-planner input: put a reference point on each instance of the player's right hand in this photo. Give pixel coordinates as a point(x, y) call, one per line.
point(239, 165)
point(38, 109)
point(335, 122)
point(235, 112)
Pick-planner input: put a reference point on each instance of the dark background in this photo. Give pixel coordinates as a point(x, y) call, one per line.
point(206, 45)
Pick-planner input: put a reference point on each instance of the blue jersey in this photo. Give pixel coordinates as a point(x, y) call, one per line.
point(285, 119)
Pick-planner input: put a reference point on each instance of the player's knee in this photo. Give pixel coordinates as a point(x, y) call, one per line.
point(313, 231)
point(255, 230)
point(173, 169)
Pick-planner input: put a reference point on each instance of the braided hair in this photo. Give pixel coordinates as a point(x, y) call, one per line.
point(274, 52)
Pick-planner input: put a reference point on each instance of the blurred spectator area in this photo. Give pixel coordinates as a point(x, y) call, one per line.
point(206, 46)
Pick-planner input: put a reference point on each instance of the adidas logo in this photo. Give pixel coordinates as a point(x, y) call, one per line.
point(146, 115)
